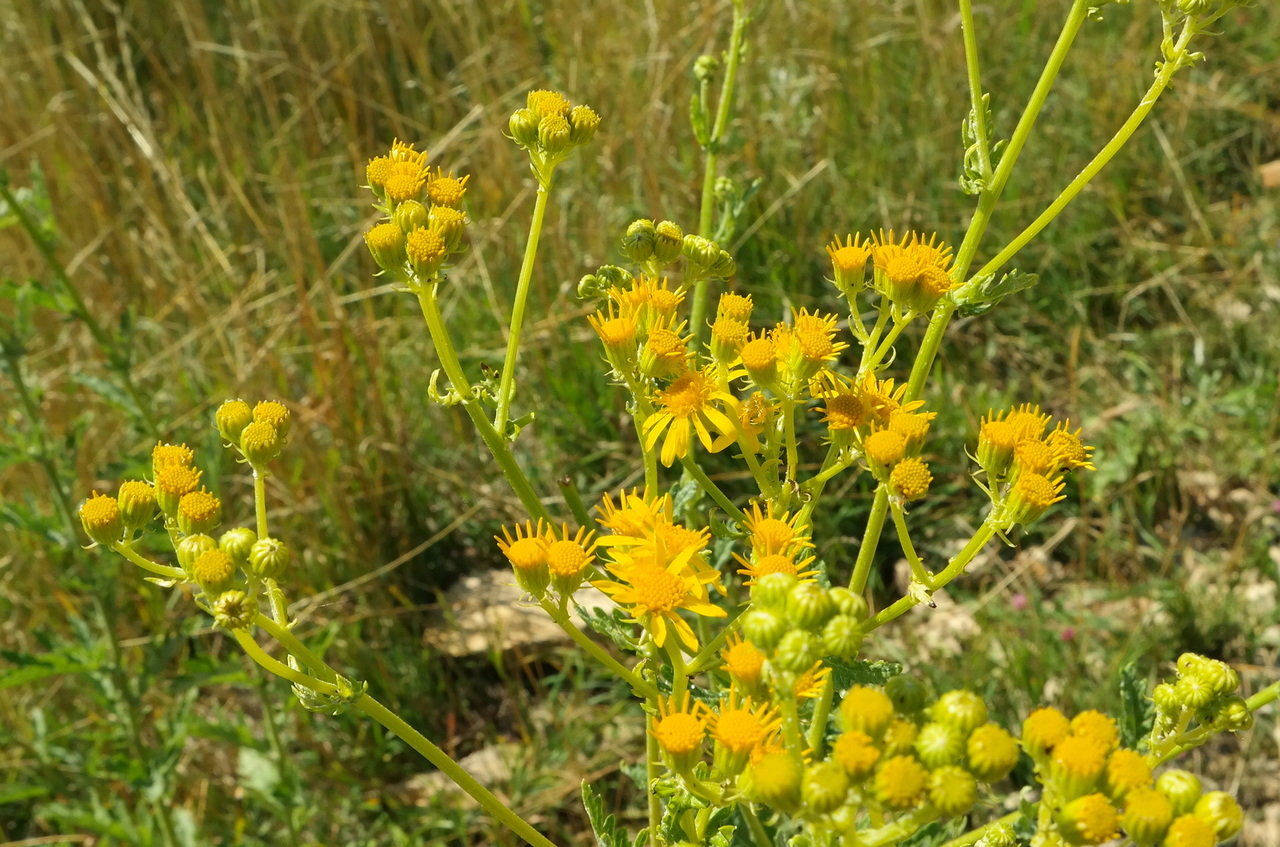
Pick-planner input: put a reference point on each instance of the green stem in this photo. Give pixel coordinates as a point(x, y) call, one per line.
point(887, 344)
point(498, 446)
point(791, 726)
point(918, 569)
point(507, 386)
point(644, 409)
point(679, 673)
point(977, 834)
point(700, 476)
point(792, 444)
point(1264, 697)
point(573, 500)
point(759, 835)
point(901, 828)
point(653, 764)
point(697, 321)
point(708, 653)
point(818, 726)
point(279, 668)
point(953, 569)
point(296, 648)
point(561, 617)
point(453, 770)
point(1104, 156)
point(991, 194)
point(873, 340)
point(975, 86)
point(125, 549)
point(260, 499)
point(107, 343)
point(870, 540)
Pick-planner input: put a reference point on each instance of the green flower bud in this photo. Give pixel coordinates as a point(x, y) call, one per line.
point(213, 571)
point(764, 628)
point(1235, 715)
point(772, 590)
point(236, 543)
point(100, 517)
point(554, 135)
point(797, 651)
point(523, 127)
point(1000, 835)
point(638, 243)
point(952, 790)
point(668, 242)
point(191, 548)
point(907, 693)
point(824, 788)
point(1090, 819)
point(1221, 812)
point(409, 215)
point(992, 752)
point(700, 252)
point(386, 244)
point(268, 558)
point(723, 267)
point(962, 709)
point(1193, 692)
point(1165, 697)
point(235, 610)
point(137, 502)
point(1147, 814)
point(1181, 788)
point(808, 606)
point(1190, 663)
point(1220, 677)
point(842, 637)
point(234, 415)
point(583, 123)
point(260, 443)
point(775, 781)
point(848, 603)
point(705, 67)
point(939, 744)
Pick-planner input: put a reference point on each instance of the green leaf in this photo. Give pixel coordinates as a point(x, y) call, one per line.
point(611, 624)
point(1137, 712)
point(605, 826)
point(27, 668)
point(18, 793)
point(846, 674)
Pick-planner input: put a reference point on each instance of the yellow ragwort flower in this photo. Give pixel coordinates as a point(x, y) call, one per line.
point(774, 563)
point(734, 307)
point(882, 399)
point(100, 516)
point(403, 181)
point(1028, 421)
point(1089, 820)
point(170, 455)
point(447, 190)
point(809, 684)
point(856, 753)
point(849, 262)
point(900, 782)
point(527, 553)
point(738, 729)
point(543, 102)
point(910, 479)
point(744, 663)
point(1032, 495)
point(654, 595)
point(772, 533)
point(1043, 730)
point(569, 556)
point(1098, 726)
point(1075, 453)
point(666, 351)
point(690, 403)
point(635, 515)
point(680, 729)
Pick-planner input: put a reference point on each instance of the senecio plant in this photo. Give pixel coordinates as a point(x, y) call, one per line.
point(764, 724)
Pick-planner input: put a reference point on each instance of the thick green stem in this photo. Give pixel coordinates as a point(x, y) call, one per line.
point(821, 709)
point(759, 835)
point(573, 500)
point(453, 770)
point(981, 129)
point(698, 308)
point(870, 540)
point(953, 569)
point(507, 386)
point(296, 648)
point(918, 569)
point(900, 829)
point(498, 446)
point(260, 499)
point(653, 765)
point(124, 549)
point(561, 617)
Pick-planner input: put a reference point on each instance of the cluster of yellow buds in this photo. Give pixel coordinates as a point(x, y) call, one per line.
point(550, 128)
point(546, 557)
point(424, 223)
point(911, 273)
point(1204, 691)
point(655, 246)
point(1024, 465)
point(226, 570)
point(1101, 788)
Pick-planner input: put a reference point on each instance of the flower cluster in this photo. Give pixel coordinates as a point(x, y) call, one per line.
point(1023, 464)
point(550, 128)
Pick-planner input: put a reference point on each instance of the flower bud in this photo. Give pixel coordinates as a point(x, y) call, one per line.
point(408, 216)
point(856, 753)
point(952, 790)
point(901, 782)
point(900, 737)
point(1221, 812)
point(523, 126)
point(1043, 730)
point(100, 517)
point(772, 590)
point(276, 414)
point(268, 558)
point(191, 548)
point(260, 443)
point(867, 710)
point(427, 251)
point(1089, 820)
point(583, 123)
point(1165, 698)
point(1220, 677)
point(1181, 788)
point(235, 610)
point(848, 603)
point(387, 246)
point(1190, 663)
point(137, 502)
point(1078, 763)
point(1126, 770)
point(824, 787)
point(842, 637)
point(1188, 831)
point(1235, 715)
point(775, 781)
point(668, 242)
point(797, 651)
point(705, 67)
point(700, 252)
point(233, 416)
point(939, 744)
point(214, 571)
point(199, 512)
point(999, 835)
point(554, 135)
point(962, 709)
point(1193, 692)
point(638, 243)
point(450, 223)
point(907, 693)
point(808, 606)
point(991, 752)
point(237, 543)
point(172, 484)
point(764, 628)
point(1147, 814)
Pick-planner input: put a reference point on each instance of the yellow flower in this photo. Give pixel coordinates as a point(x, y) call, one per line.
point(666, 351)
point(689, 403)
point(635, 515)
point(1031, 496)
point(654, 594)
point(882, 399)
point(447, 190)
point(1089, 820)
point(809, 684)
point(849, 261)
point(568, 557)
point(543, 102)
point(734, 307)
point(403, 181)
point(680, 730)
point(1035, 457)
point(100, 516)
point(856, 753)
point(1078, 762)
point(727, 336)
point(771, 533)
point(274, 413)
point(913, 272)
point(884, 448)
point(815, 337)
point(910, 479)
point(900, 782)
point(1043, 730)
point(912, 426)
point(745, 664)
point(426, 250)
point(1126, 770)
point(527, 553)
point(170, 455)
point(1094, 724)
point(172, 483)
point(866, 709)
point(1028, 421)
point(198, 512)
point(738, 729)
point(753, 415)
point(997, 439)
point(774, 563)
point(1074, 452)
point(618, 331)
point(760, 357)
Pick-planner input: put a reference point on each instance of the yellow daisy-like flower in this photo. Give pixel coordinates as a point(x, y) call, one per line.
point(618, 330)
point(1031, 496)
point(882, 399)
point(856, 753)
point(849, 261)
point(1028, 421)
point(198, 512)
point(1035, 457)
point(884, 447)
point(886, 248)
point(1044, 729)
point(1098, 726)
point(774, 563)
point(172, 483)
point(910, 479)
point(634, 515)
point(666, 351)
point(900, 782)
point(654, 594)
point(845, 410)
point(815, 337)
point(100, 516)
point(403, 181)
point(1126, 770)
point(727, 337)
point(866, 709)
point(759, 356)
point(377, 171)
point(543, 102)
point(1075, 453)
point(738, 729)
point(690, 403)
point(569, 556)
point(771, 533)
point(734, 307)
point(997, 439)
point(810, 683)
point(1089, 820)
point(404, 152)
point(680, 729)
point(447, 190)
point(912, 426)
point(527, 553)
point(1189, 831)
point(170, 455)
point(274, 413)
point(1078, 762)
point(745, 664)
point(753, 416)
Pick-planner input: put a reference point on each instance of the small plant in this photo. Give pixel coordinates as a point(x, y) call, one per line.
point(766, 724)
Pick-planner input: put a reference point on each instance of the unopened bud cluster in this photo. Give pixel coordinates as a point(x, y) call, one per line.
point(1204, 691)
point(551, 128)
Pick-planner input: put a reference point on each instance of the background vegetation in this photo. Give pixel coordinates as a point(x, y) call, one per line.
point(201, 165)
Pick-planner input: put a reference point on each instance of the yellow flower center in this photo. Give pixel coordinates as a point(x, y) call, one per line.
point(168, 455)
point(845, 411)
point(866, 710)
point(688, 395)
point(617, 332)
point(1126, 770)
point(735, 307)
point(849, 259)
point(743, 661)
point(729, 331)
point(425, 245)
point(739, 730)
point(199, 506)
point(675, 538)
point(664, 301)
point(999, 434)
point(909, 425)
point(1080, 756)
point(758, 354)
point(900, 782)
point(100, 511)
point(566, 558)
point(1189, 831)
point(1035, 490)
point(404, 183)
point(447, 190)
point(772, 534)
point(259, 435)
point(177, 480)
point(377, 171)
point(667, 345)
point(545, 102)
point(885, 446)
point(657, 589)
point(1035, 456)
point(269, 411)
point(856, 753)
point(1045, 728)
point(214, 567)
point(903, 270)
point(679, 733)
point(931, 253)
point(526, 554)
point(911, 478)
point(1095, 820)
point(774, 563)
point(1028, 422)
point(815, 345)
point(1101, 728)
point(935, 282)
